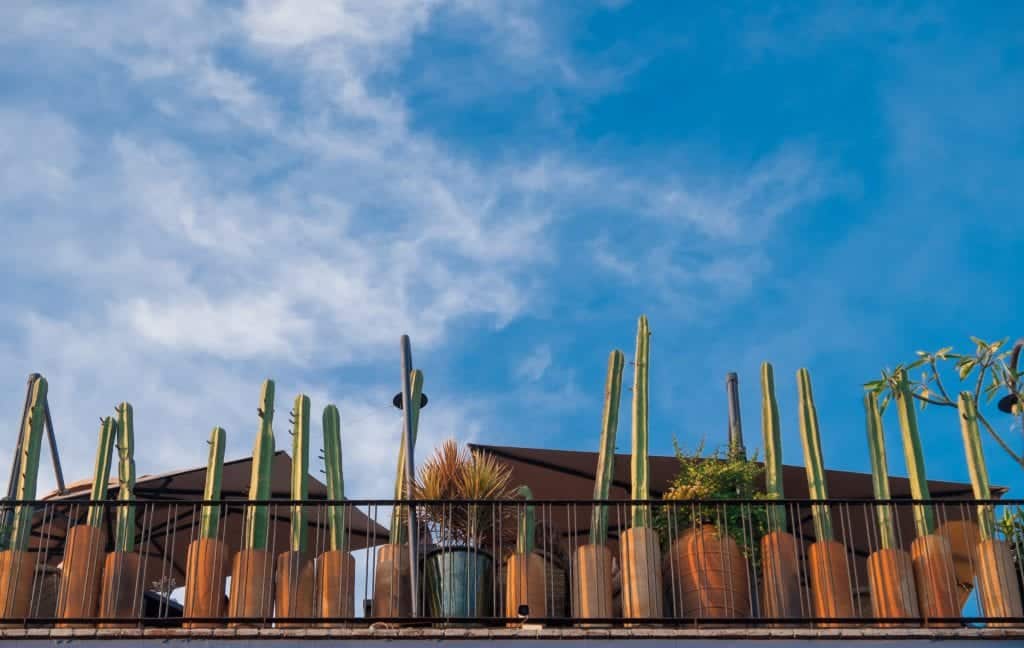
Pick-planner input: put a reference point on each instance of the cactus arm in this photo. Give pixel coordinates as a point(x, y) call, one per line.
point(101, 473)
point(639, 466)
point(209, 518)
point(976, 463)
point(606, 456)
point(257, 517)
point(300, 471)
point(811, 438)
point(879, 471)
point(771, 430)
point(924, 516)
point(28, 467)
point(335, 476)
point(124, 540)
point(398, 530)
point(526, 525)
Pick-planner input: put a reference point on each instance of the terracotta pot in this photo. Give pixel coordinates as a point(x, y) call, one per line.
point(524, 585)
point(592, 586)
point(935, 577)
point(831, 586)
point(780, 583)
point(122, 588)
point(16, 571)
point(963, 536)
point(710, 573)
point(82, 574)
point(336, 585)
point(205, 576)
point(294, 586)
point(997, 581)
point(641, 573)
point(252, 586)
point(392, 595)
point(891, 580)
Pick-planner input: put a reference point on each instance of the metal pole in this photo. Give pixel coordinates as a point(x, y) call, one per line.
point(51, 436)
point(732, 390)
point(410, 471)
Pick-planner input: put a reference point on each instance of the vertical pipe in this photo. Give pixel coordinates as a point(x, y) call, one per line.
point(732, 390)
point(51, 438)
point(410, 472)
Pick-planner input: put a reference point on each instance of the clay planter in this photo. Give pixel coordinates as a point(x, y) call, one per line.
point(592, 585)
point(392, 595)
point(710, 572)
point(252, 586)
point(780, 584)
point(891, 579)
point(205, 575)
point(82, 574)
point(524, 585)
point(336, 585)
point(641, 573)
point(16, 569)
point(997, 581)
point(831, 587)
point(294, 586)
point(121, 591)
point(934, 575)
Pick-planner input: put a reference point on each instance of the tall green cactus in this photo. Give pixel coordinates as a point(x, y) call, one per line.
point(639, 464)
point(771, 430)
point(606, 455)
point(101, 473)
point(300, 471)
point(924, 516)
point(526, 526)
point(879, 471)
point(976, 462)
point(398, 527)
point(124, 539)
point(209, 518)
point(812, 456)
point(257, 517)
point(335, 477)
point(28, 467)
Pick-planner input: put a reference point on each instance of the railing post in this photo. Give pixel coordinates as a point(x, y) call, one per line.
point(410, 471)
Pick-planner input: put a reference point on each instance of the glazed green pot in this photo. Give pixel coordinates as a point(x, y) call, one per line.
point(459, 582)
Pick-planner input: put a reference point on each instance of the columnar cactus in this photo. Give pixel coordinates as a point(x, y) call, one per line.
point(101, 472)
point(606, 455)
point(257, 517)
point(124, 539)
point(335, 476)
point(771, 431)
point(28, 467)
point(526, 527)
point(924, 516)
point(879, 471)
point(398, 529)
point(300, 470)
point(209, 519)
point(639, 465)
point(976, 462)
point(812, 456)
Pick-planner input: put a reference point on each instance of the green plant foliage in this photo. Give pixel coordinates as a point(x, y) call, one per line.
point(125, 532)
point(209, 519)
point(101, 473)
point(606, 455)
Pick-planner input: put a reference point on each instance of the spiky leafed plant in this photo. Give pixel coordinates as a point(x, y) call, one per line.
point(606, 455)
point(300, 470)
point(526, 526)
point(257, 517)
point(976, 463)
point(924, 516)
point(772, 433)
point(639, 464)
point(398, 513)
point(101, 473)
point(335, 477)
point(811, 438)
point(209, 519)
point(125, 535)
point(879, 471)
point(28, 466)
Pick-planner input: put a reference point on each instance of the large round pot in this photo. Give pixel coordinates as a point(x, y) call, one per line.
point(831, 584)
point(336, 585)
point(121, 590)
point(780, 582)
point(459, 582)
point(592, 585)
point(205, 578)
point(641, 573)
point(16, 571)
point(891, 581)
point(392, 584)
point(525, 585)
point(935, 575)
point(83, 571)
point(252, 587)
point(710, 572)
point(997, 580)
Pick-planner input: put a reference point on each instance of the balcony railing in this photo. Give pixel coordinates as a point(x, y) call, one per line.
point(780, 563)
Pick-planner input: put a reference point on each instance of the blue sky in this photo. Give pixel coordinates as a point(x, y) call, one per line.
point(199, 195)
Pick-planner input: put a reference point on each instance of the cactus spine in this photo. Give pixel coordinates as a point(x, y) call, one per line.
point(209, 519)
point(771, 431)
point(879, 471)
point(606, 455)
point(398, 529)
point(924, 516)
point(125, 535)
point(300, 470)
point(335, 476)
point(639, 465)
point(811, 438)
point(976, 463)
point(101, 474)
point(28, 467)
point(526, 527)
point(257, 517)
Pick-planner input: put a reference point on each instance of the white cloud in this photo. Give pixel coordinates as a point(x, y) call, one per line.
point(533, 366)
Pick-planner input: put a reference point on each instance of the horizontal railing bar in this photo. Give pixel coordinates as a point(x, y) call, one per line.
point(513, 502)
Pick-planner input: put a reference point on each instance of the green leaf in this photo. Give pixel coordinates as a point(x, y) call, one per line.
point(943, 352)
point(978, 341)
point(916, 363)
point(885, 403)
point(966, 368)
